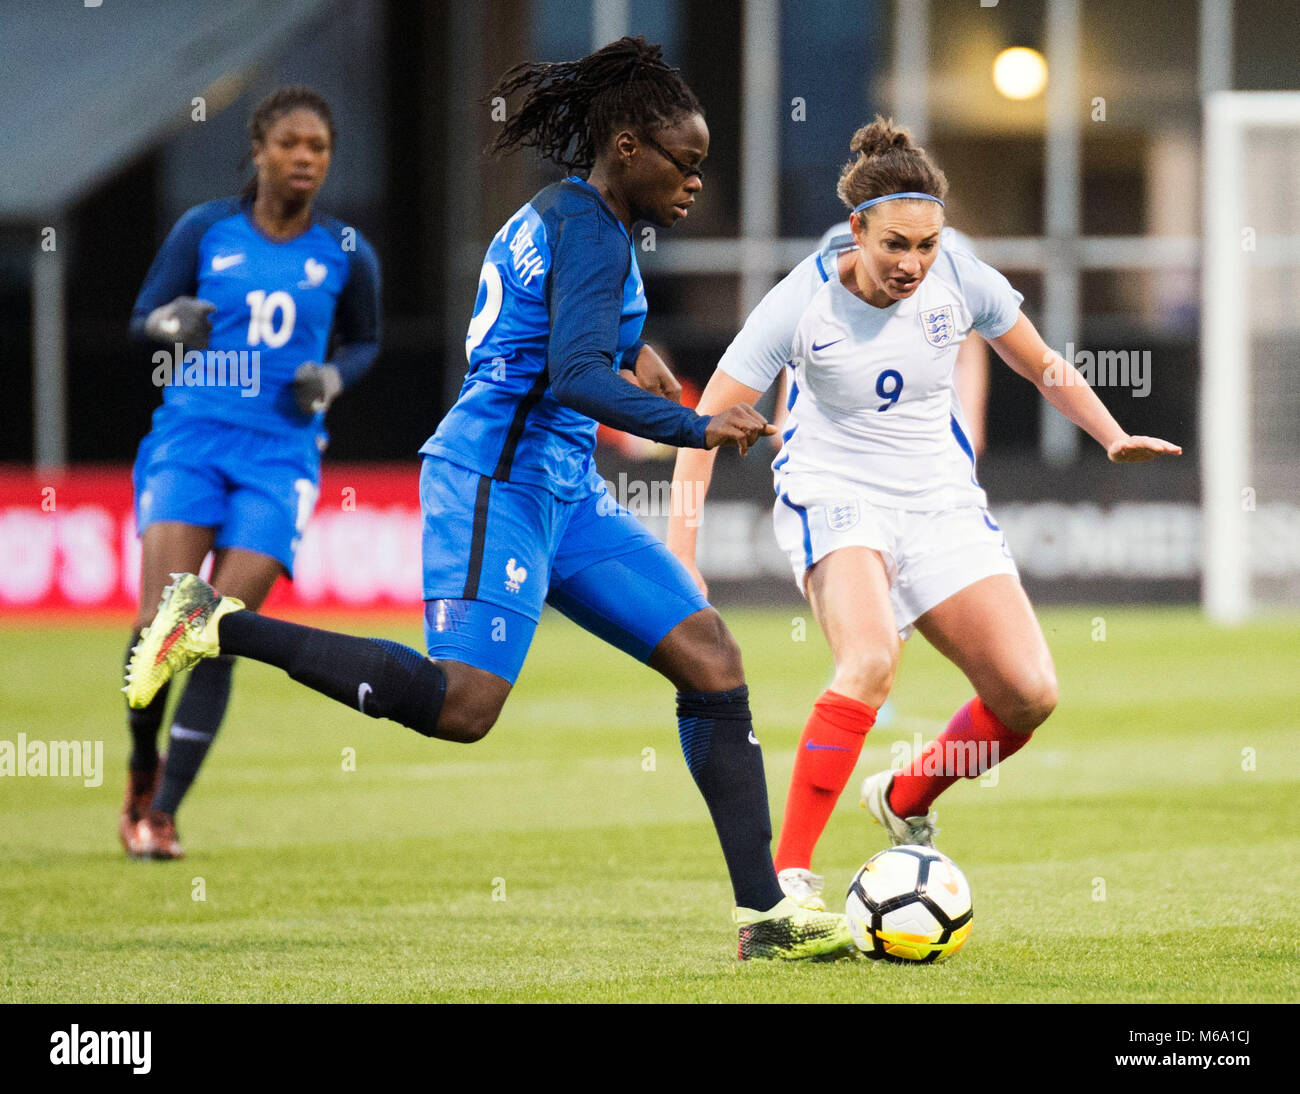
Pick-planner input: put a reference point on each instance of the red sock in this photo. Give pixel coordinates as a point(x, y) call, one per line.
point(973, 742)
point(828, 752)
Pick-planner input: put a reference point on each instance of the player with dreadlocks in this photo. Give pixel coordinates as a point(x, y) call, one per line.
point(515, 513)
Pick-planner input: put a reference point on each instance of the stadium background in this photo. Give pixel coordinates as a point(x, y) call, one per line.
point(1086, 195)
point(1142, 849)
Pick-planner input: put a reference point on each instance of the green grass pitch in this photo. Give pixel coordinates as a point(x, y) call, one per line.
point(1144, 847)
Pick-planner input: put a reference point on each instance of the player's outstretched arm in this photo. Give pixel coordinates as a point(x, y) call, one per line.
point(586, 284)
point(694, 471)
point(1060, 383)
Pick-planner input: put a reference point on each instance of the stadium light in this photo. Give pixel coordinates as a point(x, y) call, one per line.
point(1020, 72)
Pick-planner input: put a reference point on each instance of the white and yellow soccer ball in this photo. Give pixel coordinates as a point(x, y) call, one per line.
point(909, 903)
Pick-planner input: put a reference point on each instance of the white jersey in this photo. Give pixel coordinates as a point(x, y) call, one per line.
point(761, 350)
point(873, 411)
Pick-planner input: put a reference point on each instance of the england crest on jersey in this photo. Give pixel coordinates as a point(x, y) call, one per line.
point(842, 517)
point(938, 326)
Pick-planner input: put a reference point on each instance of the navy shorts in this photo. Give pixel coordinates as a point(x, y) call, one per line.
point(256, 489)
point(496, 552)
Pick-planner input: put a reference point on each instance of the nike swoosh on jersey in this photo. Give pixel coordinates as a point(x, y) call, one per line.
point(827, 345)
point(824, 748)
point(224, 262)
point(363, 689)
point(752, 739)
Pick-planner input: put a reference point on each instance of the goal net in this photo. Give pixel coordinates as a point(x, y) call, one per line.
point(1250, 374)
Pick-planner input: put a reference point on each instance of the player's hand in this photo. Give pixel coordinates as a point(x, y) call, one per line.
point(740, 425)
point(316, 386)
point(186, 320)
point(654, 376)
point(1137, 449)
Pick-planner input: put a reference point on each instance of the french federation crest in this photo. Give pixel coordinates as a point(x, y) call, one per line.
point(842, 517)
point(938, 325)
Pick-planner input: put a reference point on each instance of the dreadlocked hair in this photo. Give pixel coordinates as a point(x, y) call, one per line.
point(573, 107)
point(276, 105)
point(887, 162)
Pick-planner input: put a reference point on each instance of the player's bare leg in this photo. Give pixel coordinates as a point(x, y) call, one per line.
point(700, 654)
point(848, 591)
point(990, 632)
point(248, 575)
point(165, 547)
point(474, 698)
point(849, 594)
point(168, 547)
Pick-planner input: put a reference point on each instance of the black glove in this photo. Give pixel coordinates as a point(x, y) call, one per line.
point(184, 320)
point(316, 386)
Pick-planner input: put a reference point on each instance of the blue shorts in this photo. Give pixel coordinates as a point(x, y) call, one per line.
point(495, 552)
point(257, 490)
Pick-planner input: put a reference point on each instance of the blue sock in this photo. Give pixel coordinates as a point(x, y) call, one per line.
point(382, 679)
point(197, 719)
point(725, 759)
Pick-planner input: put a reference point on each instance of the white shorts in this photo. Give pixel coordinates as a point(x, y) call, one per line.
point(928, 556)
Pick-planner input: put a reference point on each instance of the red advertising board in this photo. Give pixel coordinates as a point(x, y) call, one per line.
point(68, 542)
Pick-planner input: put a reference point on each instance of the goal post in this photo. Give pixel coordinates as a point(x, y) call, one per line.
point(1250, 346)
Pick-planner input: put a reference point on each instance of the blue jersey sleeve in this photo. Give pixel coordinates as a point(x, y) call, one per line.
point(357, 318)
point(631, 354)
point(584, 298)
point(175, 269)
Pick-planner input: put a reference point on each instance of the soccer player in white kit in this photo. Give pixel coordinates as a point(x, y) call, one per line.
point(877, 503)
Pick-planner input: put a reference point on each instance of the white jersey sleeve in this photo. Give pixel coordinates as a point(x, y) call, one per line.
point(994, 305)
point(761, 350)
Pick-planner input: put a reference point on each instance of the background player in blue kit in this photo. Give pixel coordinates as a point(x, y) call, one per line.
point(516, 514)
point(245, 292)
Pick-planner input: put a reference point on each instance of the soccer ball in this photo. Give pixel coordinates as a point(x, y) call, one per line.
point(909, 903)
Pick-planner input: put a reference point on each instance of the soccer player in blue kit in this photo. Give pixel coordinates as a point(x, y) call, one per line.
point(515, 512)
point(244, 291)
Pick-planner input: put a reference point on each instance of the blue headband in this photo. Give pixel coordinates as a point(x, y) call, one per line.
point(894, 197)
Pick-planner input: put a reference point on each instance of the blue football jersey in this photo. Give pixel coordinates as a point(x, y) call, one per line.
point(560, 307)
point(276, 303)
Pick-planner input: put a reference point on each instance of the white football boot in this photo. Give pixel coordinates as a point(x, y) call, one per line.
point(875, 799)
point(803, 887)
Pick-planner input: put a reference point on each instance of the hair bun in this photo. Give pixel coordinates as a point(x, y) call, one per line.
point(879, 137)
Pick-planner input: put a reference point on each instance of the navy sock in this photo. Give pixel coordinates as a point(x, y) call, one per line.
point(144, 723)
point(724, 757)
point(380, 678)
point(196, 721)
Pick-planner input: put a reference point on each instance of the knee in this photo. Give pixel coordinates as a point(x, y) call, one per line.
point(472, 701)
point(712, 655)
point(465, 726)
point(1031, 702)
point(866, 674)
